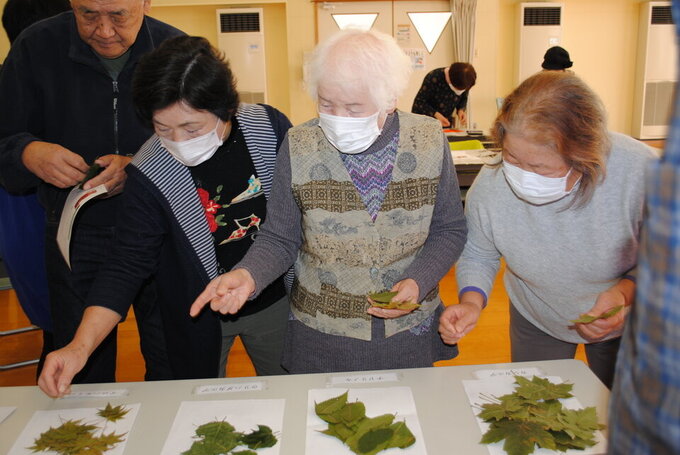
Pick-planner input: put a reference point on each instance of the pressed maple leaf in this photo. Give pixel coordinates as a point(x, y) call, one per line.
point(520, 437)
point(113, 414)
point(506, 406)
point(541, 389)
point(75, 438)
point(540, 421)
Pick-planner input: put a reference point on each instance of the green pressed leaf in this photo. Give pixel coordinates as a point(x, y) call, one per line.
point(397, 305)
point(211, 429)
point(564, 442)
point(339, 430)
point(546, 413)
point(366, 425)
point(402, 437)
point(383, 297)
point(532, 416)
point(221, 438)
point(327, 408)
point(262, 437)
point(374, 440)
point(113, 414)
point(363, 435)
point(520, 437)
point(541, 389)
point(384, 300)
point(587, 319)
point(508, 405)
point(75, 438)
point(352, 413)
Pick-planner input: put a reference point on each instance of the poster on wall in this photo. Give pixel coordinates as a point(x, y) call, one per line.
point(403, 34)
point(417, 56)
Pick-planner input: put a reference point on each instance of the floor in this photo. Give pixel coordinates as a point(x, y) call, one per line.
point(488, 343)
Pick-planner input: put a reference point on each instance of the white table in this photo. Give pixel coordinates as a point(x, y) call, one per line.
point(448, 423)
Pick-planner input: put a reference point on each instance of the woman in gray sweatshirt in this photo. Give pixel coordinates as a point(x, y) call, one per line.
point(564, 210)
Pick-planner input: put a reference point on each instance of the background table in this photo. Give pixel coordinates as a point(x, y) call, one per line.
point(444, 412)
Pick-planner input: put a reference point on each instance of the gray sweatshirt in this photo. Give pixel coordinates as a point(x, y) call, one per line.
point(557, 261)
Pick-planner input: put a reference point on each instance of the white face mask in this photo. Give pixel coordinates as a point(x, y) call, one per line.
point(350, 135)
point(455, 90)
point(535, 188)
point(194, 151)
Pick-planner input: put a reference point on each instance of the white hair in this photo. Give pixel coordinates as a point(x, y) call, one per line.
point(368, 59)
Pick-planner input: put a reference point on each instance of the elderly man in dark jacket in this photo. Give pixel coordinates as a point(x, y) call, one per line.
point(65, 103)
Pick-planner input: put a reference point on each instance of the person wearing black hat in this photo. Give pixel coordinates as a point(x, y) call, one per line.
point(556, 58)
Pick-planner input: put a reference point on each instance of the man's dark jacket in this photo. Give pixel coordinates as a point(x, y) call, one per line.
point(54, 88)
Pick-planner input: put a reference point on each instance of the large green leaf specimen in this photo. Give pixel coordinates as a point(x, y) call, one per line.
point(221, 438)
point(363, 435)
point(532, 416)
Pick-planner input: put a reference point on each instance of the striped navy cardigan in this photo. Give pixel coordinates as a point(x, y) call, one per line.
point(162, 231)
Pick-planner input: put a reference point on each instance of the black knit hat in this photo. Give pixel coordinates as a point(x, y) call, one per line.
point(556, 58)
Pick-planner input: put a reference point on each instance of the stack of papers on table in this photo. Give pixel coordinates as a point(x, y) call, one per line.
point(472, 152)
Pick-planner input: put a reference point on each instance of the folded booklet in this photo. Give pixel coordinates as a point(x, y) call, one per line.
point(76, 199)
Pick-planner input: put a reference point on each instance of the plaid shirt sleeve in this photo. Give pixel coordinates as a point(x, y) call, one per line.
point(645, 402)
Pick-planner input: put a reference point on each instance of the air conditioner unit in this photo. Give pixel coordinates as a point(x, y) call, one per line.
point(540, 28)
point(240, 35)
point(656, 71)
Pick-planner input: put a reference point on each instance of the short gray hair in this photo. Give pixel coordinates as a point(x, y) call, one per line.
point(370, 59)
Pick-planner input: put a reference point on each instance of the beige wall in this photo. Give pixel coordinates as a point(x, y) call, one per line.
point(201, 20)
point(600, 35)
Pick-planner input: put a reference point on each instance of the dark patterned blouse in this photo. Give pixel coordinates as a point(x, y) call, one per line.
point(435, 95)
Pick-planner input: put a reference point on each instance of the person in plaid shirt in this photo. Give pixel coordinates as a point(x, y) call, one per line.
point(645, 401)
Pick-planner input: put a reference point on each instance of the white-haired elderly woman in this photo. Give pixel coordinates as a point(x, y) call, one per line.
point(364, 199)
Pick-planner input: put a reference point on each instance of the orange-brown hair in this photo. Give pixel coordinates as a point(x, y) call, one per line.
point(557, 109)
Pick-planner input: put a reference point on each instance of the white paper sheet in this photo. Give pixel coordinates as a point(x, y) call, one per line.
point(388, 400)
point(74, 202)
point(527, 372)
point(44, 420)
point(503, 385)
point(481, 156)
point(243, 415)
point(5, 412)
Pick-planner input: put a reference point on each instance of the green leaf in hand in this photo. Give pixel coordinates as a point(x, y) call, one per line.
point(383, 297)
point(587, 319)
point(384, 300)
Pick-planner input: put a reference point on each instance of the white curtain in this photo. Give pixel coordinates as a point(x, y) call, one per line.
point(463, 25)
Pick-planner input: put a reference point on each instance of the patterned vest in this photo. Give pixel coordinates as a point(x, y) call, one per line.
point(345, 255)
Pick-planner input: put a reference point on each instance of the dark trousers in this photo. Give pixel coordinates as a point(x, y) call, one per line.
point(529, 343)
point(90, 248)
